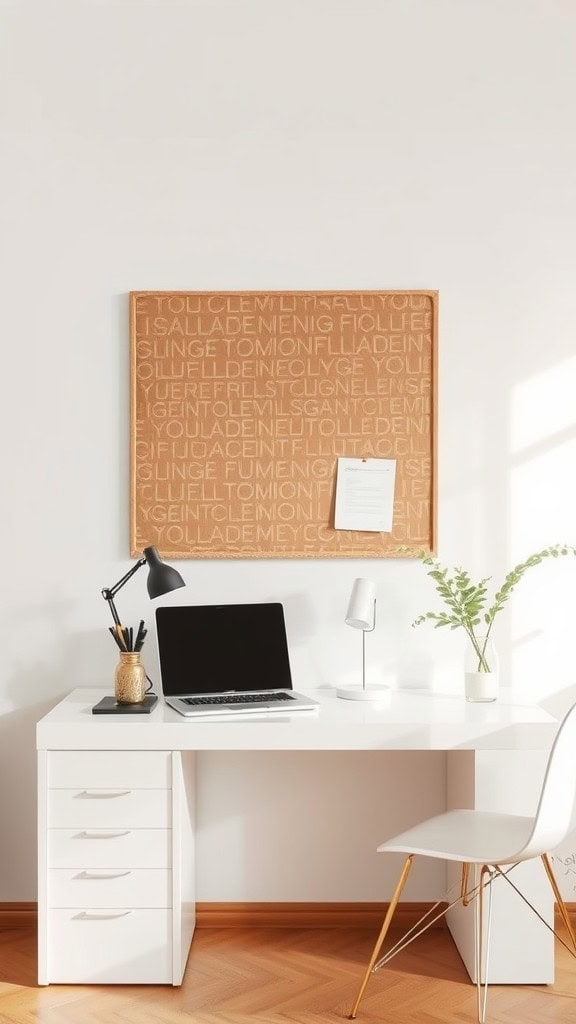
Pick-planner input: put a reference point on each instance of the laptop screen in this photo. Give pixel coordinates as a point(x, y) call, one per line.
point(214, 648)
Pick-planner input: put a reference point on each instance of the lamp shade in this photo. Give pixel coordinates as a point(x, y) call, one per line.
point(162, 578)
point(360, 612)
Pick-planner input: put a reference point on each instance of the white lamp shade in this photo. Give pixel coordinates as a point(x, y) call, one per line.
point(360, 612)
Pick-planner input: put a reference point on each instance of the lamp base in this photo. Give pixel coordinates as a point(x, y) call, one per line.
point(359, 693)
point(109, 706)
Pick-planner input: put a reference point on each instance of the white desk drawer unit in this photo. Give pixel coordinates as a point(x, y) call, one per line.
point(110, 946)
point(110, 888)
point(109, 808)
point(109, 882)
point(105, 769)
point(109, 848)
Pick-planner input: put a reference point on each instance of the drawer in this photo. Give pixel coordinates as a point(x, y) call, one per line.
point(110, 946)
point(87, 849)
point(110, 888)
point(110, 769)
point(109, 808)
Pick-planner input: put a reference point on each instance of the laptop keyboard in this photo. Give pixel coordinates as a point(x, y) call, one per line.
point(239, 698)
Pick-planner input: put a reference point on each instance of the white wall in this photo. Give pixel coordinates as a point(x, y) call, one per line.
point(213, 144)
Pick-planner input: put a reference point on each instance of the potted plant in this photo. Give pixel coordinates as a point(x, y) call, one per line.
point(469, 609)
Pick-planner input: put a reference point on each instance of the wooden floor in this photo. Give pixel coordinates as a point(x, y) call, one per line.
point(276, 975)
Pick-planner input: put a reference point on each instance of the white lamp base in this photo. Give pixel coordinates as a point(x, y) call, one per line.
point(358, 693)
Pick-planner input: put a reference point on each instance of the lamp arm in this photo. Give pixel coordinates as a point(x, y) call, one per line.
point(118, 586)
point(108, 593)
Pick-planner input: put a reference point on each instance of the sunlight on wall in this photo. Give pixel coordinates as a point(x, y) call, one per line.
point(543, 498)
point(543, 407)
point(543, 512)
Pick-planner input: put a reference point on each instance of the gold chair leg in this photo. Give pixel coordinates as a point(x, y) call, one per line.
point(383, 931)
point(480, 1003)
point(464, 885)
point(561, 905)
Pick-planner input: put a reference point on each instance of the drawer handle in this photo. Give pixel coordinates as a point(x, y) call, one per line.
point(100, 794)
point(102, 835)
point(101, 875)
point(85, 916)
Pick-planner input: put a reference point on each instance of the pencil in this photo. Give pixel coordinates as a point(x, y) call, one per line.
point(112, 630)
point(121, 637)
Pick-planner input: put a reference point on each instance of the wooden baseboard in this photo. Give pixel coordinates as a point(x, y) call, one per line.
point(18, 908)
point(284, 915)
point(305, 915)
point(292, 915)
point(316, 915)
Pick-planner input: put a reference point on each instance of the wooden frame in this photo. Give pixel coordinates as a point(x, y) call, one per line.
point(242, 402)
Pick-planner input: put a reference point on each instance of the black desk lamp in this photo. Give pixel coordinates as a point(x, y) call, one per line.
point(162, 579)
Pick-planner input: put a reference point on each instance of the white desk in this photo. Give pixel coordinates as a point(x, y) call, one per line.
point(116, 886)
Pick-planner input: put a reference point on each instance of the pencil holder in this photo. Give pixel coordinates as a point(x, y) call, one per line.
point(130, 679)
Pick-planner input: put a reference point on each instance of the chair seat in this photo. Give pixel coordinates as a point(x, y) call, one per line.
point(474, 837)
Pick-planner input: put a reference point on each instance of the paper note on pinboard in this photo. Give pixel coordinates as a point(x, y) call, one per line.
point(365, 494)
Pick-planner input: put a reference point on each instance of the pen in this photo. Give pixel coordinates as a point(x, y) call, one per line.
point(140, 636)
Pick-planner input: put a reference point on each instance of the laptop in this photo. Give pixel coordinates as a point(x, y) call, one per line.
point(226, 659)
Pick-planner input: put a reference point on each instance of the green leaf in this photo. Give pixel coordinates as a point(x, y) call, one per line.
point(466, 600)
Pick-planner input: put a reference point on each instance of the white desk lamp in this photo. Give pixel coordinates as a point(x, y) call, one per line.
point(361, 614)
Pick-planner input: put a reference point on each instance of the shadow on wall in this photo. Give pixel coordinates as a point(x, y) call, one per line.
point(30, 691)
point(329, 820)
point(18, 800)
point(302, 627)
point(564, 859)
point(565, 870)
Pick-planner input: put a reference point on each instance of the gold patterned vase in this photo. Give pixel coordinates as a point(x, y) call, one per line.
point(130, 679)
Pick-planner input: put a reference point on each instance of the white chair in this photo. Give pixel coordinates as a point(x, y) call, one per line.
point(489, 841)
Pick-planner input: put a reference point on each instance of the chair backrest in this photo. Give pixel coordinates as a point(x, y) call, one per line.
point(554, 818)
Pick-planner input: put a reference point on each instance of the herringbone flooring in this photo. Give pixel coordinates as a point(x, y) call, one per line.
point(277, 975)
